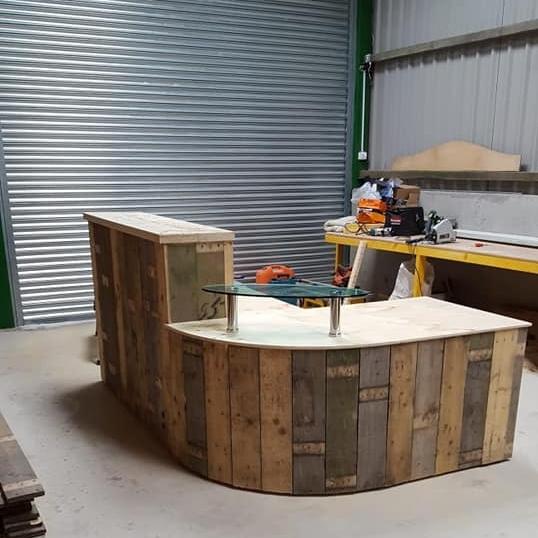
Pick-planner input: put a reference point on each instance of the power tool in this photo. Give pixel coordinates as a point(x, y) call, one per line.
point(438, 230)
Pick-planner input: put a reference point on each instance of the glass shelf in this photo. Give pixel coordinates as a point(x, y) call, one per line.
point(285, 291)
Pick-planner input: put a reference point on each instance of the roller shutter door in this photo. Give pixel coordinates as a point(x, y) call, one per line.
point(225, 112)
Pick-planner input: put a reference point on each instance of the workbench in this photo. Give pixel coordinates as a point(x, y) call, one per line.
point(411, 389)
point(500, 256)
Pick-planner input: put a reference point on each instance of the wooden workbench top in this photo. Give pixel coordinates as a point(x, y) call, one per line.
point(467, 246)
point(268, 323)
point(159, 229)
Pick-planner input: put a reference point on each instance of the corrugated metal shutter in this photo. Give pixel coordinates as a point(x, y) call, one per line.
point(225, 112)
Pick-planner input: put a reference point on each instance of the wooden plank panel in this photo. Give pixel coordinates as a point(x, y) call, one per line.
point(116, 249)
point(451, 409)
point(176, 402)
point(96, 272)
point(426, 408)
point(151, 316)
point(373, 412)
point(228, 263)
point(217, 405)
point(182, 285)
point(480, 349)
point(193, 374)
point(210, 269)
point(505, 350)
point(309, 378)
point(514, 398)
point(375, 367)
point(163, 317)
point(403, 365)
point(341, 430)
point(107, 304)
point(131, 300)
point(276, 425)
point(245, 417)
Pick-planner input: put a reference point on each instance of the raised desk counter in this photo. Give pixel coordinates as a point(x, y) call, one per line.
point(148, 271)
point(412, 388)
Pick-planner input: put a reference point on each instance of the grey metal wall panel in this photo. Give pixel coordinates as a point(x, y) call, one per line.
point(401, 23)
point(227, 112)
point(485, 94)
point(425, 101)
point(516, 113)
point(519, 10)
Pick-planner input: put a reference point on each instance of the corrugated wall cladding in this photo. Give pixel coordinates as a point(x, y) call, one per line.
point(484, 94)
point(401, 23)
point(226, 112)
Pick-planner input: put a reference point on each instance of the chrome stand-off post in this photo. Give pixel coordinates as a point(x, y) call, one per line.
point(334, 329)
point(231, 314)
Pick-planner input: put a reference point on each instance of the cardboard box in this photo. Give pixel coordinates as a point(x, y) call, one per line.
point(409, 193)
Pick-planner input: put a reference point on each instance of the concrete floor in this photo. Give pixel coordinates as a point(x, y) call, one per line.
point(106, 477)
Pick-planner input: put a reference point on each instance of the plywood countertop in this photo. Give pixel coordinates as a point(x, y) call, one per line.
point(159, 229)
point(268, 323)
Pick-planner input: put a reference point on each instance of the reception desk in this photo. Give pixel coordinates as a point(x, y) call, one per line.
point(411, 389)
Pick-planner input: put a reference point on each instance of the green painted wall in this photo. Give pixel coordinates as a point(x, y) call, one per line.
point(363, 47)
point(6, 308)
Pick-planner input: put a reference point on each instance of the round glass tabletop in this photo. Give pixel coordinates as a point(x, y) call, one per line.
point(286, 291)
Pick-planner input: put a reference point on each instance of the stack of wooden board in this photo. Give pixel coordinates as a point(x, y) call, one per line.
point(19, 487)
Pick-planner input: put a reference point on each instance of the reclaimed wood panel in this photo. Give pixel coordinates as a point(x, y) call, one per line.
point(309, 391)
point(217, 406)
point(451, 408)
point(175, 399)
point(276, 420)
point(116, 249)
point(245, 417)
point(426, 408)
point(98, 310)
point(105, 292)
point(403, 365)
point(133, 332)
point(373, 414)
point(341, 429)
point(151, 319)
point(210, 269)
point(182, 286)
point(506, 348)
point(480, 350)
point(193, 374)
point(514, 397)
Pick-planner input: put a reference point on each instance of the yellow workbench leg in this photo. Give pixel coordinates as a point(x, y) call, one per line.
point(420, 274)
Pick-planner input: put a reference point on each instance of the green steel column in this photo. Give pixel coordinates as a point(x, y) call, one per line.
point(363, 47)
point(6, 308)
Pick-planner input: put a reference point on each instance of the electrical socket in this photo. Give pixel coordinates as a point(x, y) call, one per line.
point(363, 155)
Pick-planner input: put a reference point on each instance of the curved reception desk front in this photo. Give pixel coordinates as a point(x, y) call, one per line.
point(413, 388)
